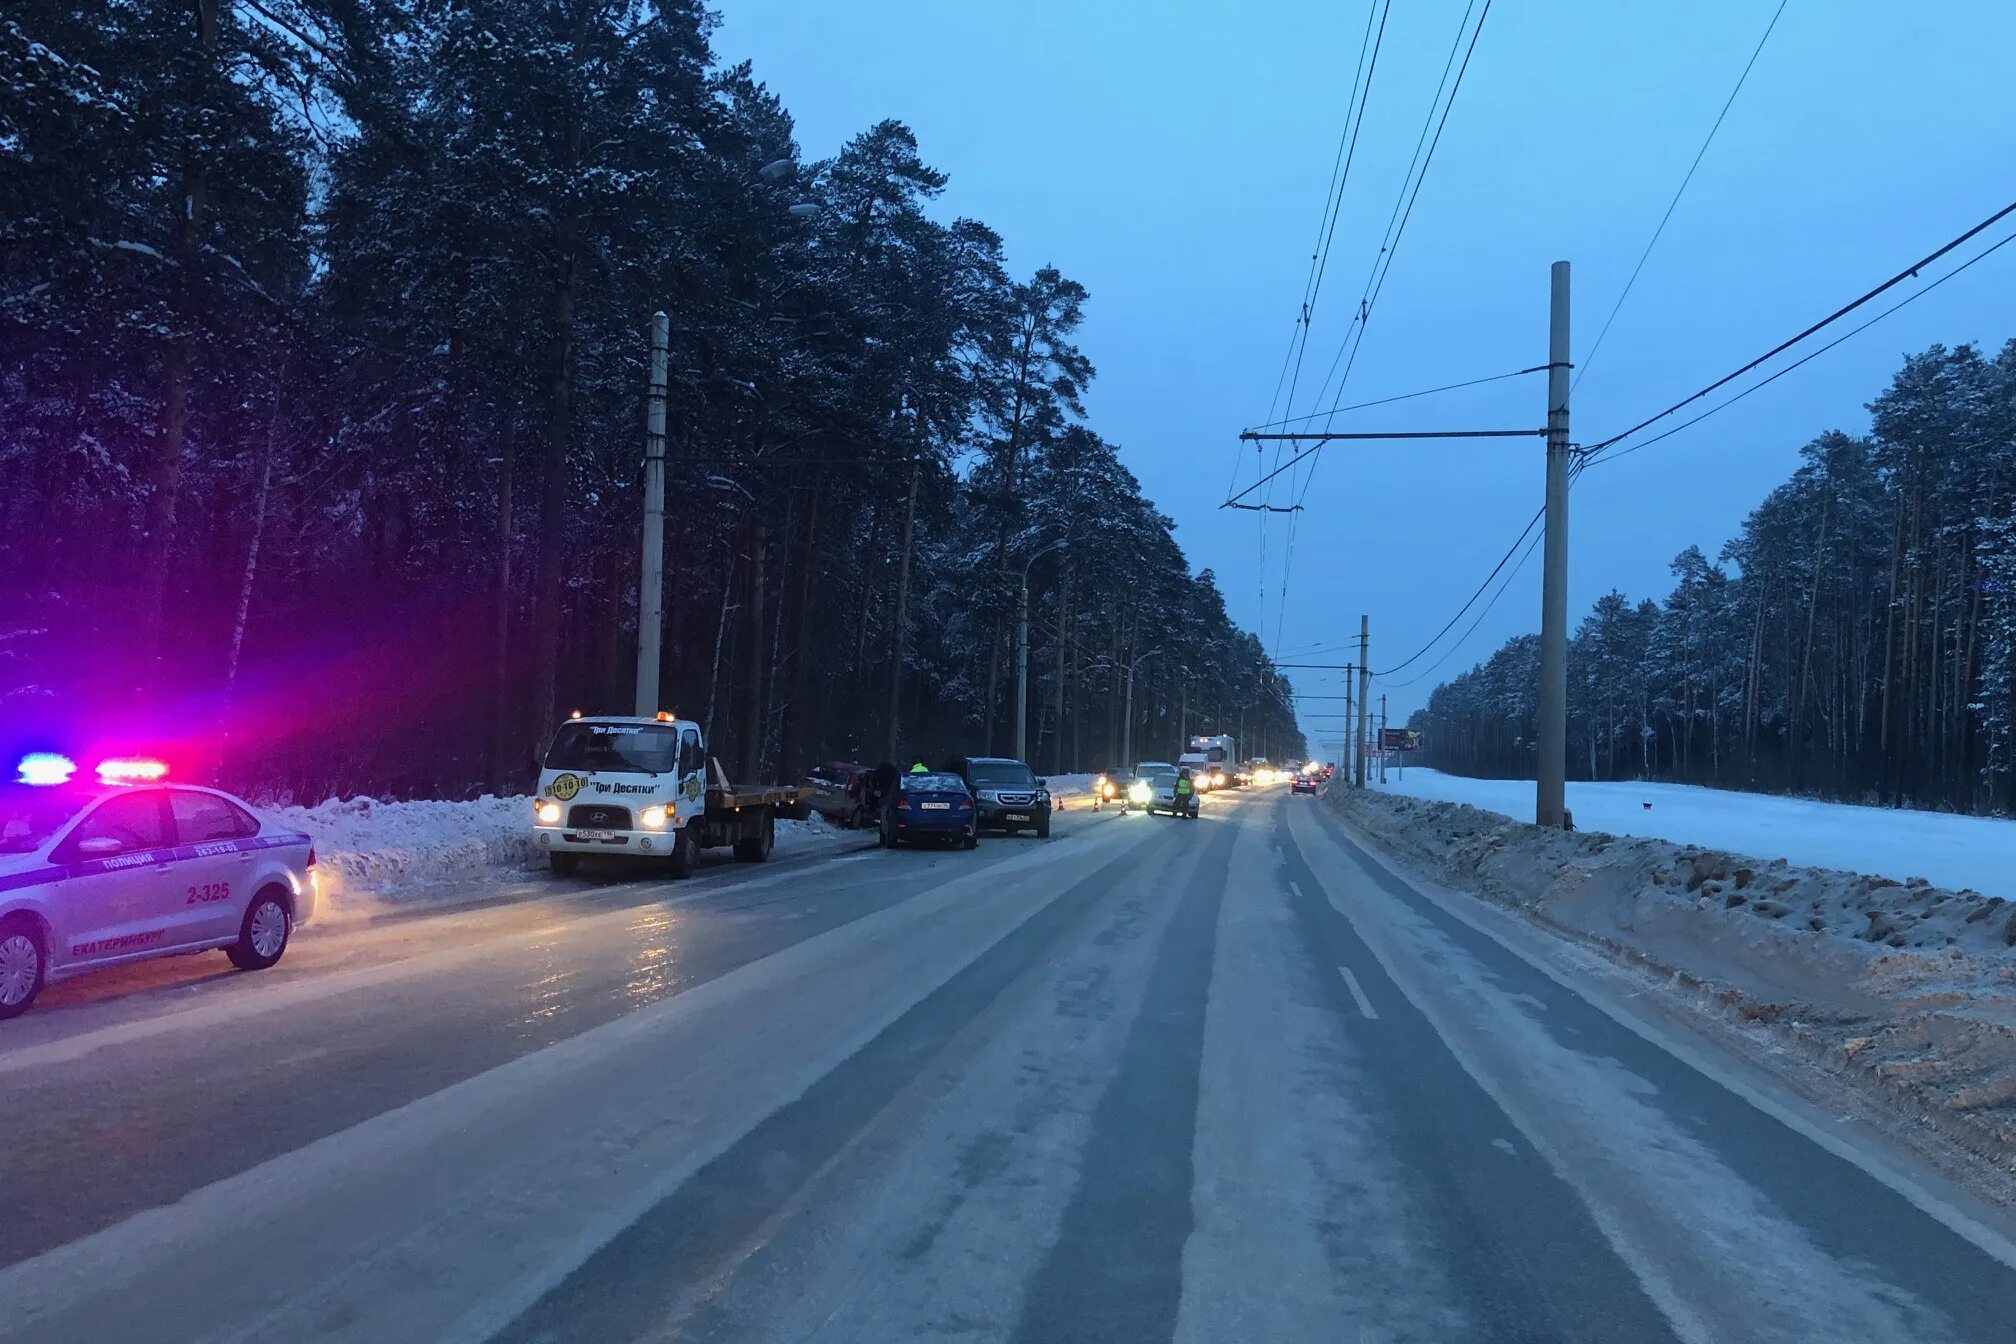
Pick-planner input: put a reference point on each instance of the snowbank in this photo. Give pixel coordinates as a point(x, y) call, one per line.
point(372, 853)
point(1954, 851)
point(1912, 984)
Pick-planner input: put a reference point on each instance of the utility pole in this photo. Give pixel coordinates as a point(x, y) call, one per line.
point(1350, 717)
point(1551, 784)
point(1022, 667)
point(1364, 690)
point(902, 609)
point(1382, 737)
point(651, 576)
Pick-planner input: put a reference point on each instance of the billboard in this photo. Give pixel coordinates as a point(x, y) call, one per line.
point(1399, 739)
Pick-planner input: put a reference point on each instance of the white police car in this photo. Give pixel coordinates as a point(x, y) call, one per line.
point(130, 867)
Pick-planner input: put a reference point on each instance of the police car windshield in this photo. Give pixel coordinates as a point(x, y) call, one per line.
point(649, 747)
point(29, 816)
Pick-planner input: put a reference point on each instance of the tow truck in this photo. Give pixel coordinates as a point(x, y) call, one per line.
point(636, 788)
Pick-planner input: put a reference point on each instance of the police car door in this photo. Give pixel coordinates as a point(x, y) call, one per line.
point(114, 898)
point(215, 878)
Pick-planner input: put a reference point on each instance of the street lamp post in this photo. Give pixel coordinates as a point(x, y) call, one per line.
point(1022, 649)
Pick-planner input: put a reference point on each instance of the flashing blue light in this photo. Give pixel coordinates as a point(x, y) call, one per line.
point(46, 767)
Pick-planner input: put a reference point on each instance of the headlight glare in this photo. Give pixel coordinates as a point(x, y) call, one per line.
point(547, 812)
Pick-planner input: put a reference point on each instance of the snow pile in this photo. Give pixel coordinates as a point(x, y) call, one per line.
point(1912, 983)
point(1953, 850)
point(373, 846)
point(371, 852)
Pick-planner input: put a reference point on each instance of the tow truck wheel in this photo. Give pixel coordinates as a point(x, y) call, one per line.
point(563, 865)
point(263, 935)
point(756, 848)
point(21, 964)
point(685, 853)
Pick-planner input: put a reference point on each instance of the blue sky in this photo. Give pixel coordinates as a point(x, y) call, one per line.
point(1174, 158)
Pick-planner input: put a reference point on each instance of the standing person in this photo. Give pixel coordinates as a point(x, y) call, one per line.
point(1186, 795)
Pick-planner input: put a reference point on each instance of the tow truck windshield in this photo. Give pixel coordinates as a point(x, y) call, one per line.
point(29, 816)
point(647, 747)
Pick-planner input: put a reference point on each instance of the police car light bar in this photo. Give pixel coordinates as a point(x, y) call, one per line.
point(46, 767)
point(131, 771)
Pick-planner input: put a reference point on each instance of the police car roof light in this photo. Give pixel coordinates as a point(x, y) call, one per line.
point(46, 767)
point(138, 770)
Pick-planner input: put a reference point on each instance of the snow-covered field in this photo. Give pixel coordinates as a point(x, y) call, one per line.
point(373, 853)
point(1955, 852)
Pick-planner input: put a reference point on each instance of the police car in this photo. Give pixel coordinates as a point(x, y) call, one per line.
point(128, 867)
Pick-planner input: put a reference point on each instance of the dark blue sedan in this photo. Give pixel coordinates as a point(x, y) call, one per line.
point(930, 807)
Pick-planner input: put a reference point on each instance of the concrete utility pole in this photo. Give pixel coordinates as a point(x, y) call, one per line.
point(1364, 690)
point(1551, 783)
point(1350, 717)
point(1022, 649)
point(651, 575)
point(1382, 738)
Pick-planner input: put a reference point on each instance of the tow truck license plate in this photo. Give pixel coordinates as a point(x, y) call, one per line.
point(937, 807)
point(594, 835)
point(1018, 816)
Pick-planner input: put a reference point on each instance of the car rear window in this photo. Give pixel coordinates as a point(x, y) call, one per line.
point(202, 817)
point(933, 784)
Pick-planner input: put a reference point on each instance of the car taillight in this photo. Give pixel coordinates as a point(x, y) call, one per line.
point(964, 804)
point(902, 804)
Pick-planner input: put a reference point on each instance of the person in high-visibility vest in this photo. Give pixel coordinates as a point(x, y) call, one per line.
point(920, 769)
point(1186, 795)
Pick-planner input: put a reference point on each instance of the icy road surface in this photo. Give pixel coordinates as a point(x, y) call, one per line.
point(1151, 1080)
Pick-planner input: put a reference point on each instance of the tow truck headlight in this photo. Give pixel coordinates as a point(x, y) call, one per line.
point(652, 818)
point(1141, 793)
point(547, 812)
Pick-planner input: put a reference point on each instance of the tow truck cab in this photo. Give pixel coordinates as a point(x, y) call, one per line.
point(638, 788)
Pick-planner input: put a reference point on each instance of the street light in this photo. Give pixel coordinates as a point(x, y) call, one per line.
point(1022, 648)
point(1127, 732)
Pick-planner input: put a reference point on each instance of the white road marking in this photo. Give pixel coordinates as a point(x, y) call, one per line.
point(1351, 982)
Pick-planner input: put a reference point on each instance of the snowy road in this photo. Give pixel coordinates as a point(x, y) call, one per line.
point(1151, 1080)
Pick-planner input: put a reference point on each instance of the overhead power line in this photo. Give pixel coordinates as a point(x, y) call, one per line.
point(1503, 561)
point(1382, 265)
point(1699, 154)
point(1404, 396)
point(1907, 273)
point(1805, 359)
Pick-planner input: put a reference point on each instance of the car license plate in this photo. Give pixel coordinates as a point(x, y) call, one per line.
point(937, 807)
point(594, 835)
point(1018, 816)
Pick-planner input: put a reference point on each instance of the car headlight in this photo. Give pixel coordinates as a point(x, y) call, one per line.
point(1106, 788)
point(547, 812)
point(1043, 797)
point(652, 818)
point(1141, 793)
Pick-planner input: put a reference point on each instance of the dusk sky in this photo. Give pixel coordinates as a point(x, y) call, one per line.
point(1174, 159)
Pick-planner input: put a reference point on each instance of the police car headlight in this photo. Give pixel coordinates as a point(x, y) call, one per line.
point(652, 818)
point(547, 811)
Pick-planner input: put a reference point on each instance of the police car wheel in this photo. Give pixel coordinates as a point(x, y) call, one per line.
point(263, 935)
point(21, 965)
